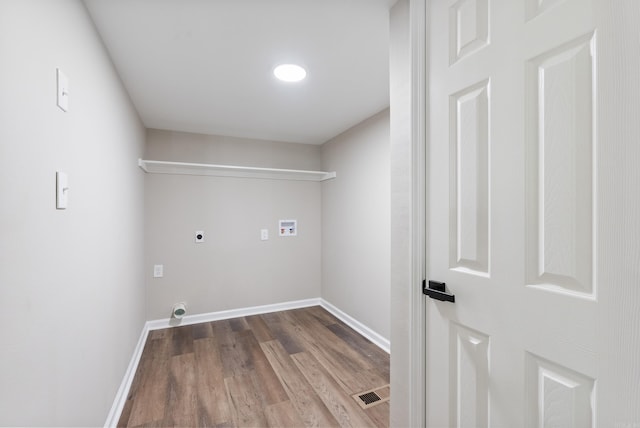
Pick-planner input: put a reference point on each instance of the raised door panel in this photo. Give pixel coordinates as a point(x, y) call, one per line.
point(558, 396)
point(561, 169)
point(536, 7)
point(469, 377)
point(469, 28)
point(469, 180)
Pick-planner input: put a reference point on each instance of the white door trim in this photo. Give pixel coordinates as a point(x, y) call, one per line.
point(419, 114)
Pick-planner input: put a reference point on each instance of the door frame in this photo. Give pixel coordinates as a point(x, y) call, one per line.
point(408, 211)
point(419, 13)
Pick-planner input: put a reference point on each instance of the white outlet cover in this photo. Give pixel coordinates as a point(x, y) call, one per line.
point(264, 234)
point(199, 236)
point(158, 271)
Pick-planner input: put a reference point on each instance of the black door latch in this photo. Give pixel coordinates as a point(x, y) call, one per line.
point(437, 290)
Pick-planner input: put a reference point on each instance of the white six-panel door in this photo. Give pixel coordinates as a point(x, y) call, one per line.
point(513, 177)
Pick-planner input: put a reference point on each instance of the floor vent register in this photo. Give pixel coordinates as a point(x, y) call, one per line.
point(373, 397)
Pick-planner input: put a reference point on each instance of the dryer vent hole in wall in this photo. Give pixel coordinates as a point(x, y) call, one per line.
point(373, 397)
point(179, 310)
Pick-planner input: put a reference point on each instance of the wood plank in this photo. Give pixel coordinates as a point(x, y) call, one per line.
point(164, 333)
point(325, 317)
point(364, 347)
point(245, 401)
point(346, 366)
point(238, 324)
point(318, 333)
point(201, 331)
point(151, 424)
point(203, 416)
point(182, 340)
point(222, 332)
point(182, 401)
point(365, 380)
point(379, 414)
point(282, 415)
point(126, 413)
point(212, 395)
point(311, 409)
point(340, 404)
point(235, 355)
point(225, 425)
point(275, 323)
point(149, 396)
point(268, 383)
point(259, 328)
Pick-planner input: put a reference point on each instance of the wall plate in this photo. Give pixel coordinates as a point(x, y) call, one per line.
point(62, 190)
point(288, 227)
point(63, 90)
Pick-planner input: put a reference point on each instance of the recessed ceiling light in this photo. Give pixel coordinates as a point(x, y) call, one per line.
point(290, 72)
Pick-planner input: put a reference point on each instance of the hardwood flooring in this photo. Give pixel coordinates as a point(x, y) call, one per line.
point(296, 368)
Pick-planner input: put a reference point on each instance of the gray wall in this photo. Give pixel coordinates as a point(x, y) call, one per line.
point(355, 223)
point(233, 268)
point(188, 147)
point(71, 282)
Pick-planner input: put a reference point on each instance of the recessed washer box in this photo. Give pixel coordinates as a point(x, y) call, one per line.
point(288, 227)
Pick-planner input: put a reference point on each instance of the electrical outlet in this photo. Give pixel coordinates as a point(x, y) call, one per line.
point(199, 236)
point(264, 234)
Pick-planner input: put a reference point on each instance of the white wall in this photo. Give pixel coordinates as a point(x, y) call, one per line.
point(355, 223)
point(71, 282)
point(233, 268)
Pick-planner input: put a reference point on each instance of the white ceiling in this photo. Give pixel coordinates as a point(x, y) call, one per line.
point(205, 66)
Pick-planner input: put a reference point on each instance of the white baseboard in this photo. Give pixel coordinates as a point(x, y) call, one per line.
point(123, 391)
point(232, 313)
point(382, 342)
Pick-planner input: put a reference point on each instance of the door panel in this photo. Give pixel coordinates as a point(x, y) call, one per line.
point(469, 178)
point(512, 201)
point(561, 170)
point(557, 396)
point(469, 377)
point(469, 28)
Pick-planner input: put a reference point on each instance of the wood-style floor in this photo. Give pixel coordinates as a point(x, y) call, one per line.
point(293, 368)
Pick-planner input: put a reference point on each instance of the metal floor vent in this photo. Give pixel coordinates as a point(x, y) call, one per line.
point(369, 397)
point(373, 397)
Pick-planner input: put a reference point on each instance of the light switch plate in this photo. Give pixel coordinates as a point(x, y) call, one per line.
point(264, 234)
point(62, 190)
point(63, 90)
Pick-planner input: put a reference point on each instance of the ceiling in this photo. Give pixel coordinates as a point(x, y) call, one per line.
point(205, 66)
